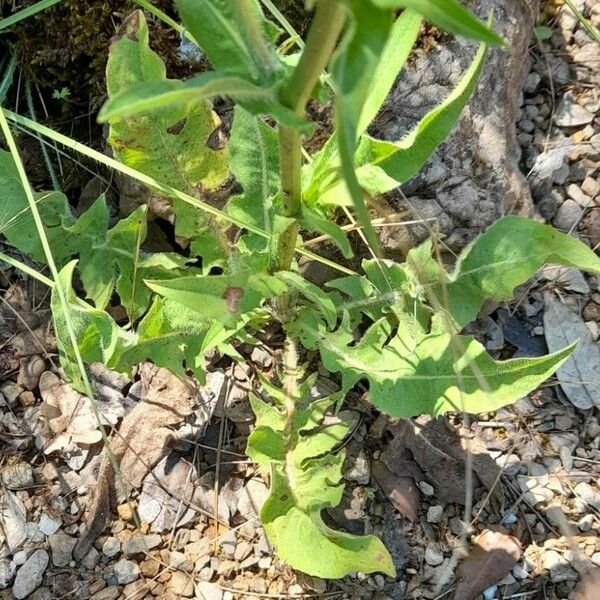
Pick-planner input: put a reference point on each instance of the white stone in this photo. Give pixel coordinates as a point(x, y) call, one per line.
point(126, 571)
point(7, 572)
point(433, 555)
point(49, 525)
point(208, 591)
point(571, 114)
point(111, 547)
point(252, 498)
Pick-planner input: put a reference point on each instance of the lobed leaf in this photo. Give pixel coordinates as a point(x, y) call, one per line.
point(306, 474)
point(504, 257)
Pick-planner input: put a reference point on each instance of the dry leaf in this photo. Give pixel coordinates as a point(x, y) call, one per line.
point(579, 375)
point(589, 586)
point(490, 560)
point(402, 491)
point(139, 444)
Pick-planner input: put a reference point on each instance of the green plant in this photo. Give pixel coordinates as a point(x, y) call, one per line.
point(396, 325)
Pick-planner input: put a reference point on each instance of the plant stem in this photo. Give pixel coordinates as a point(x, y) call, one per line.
point(322, 38)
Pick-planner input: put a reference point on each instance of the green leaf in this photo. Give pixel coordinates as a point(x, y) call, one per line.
point(170, 142)
point(224, 298)
point(504, 257)
point(449, 15)
point(306, 474)
point(96, 332)
point(171, 336)
point(353, 70)
point(232, 35)
point(315, 222)
point(154, 95)
point(255, 164)
point(382, 166)
point(434, 374)
point(401, 40)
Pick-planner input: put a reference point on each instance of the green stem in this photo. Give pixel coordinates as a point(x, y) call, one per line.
point(322, 38)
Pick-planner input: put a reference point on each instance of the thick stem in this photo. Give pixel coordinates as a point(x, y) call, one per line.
point(322, 38)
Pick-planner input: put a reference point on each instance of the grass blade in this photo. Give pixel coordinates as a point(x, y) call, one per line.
point(26, 13)
point(585, 23)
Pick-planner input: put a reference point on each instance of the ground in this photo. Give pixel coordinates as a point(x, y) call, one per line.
point(190, 526)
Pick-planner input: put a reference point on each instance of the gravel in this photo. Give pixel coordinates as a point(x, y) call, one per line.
point(126, 571)
point(29, 576)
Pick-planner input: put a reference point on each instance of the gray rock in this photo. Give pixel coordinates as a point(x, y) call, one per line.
point(17, 476)
point(360, 470)
point(111, 547)
point(7, 572)
point(126, 571)
point(20, 558)
point(571, 114)
point(13, 517)
point(433, 555)
point(558, 567)
point(29, 576)
point(91, 559)
point(589, 494)
point(49, 525)
point(208, 591)
point(568, 215)
point(252, 498)
point(434, 514)
point(482, 154)
point(140, 544)
point(61, 546)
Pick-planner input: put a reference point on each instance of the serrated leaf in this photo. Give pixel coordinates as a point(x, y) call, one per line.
point(223, 298)
point(504, 257)
point(449, 15)
point(434, 374)
point(231, 34)
point(96, 332)
point(169, 141)
point(306, 476)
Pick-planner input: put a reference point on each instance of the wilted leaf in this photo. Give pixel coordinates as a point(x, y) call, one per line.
point(306, 478)
point(579, 376)
point(492, 558)
point(402, 491)
point(168, 142)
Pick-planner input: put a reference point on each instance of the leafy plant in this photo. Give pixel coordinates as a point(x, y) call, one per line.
point(397, 326)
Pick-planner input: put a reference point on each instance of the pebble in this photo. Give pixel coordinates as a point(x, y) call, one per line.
point(434, 514)
point(91, 559)
point(520, 572)
point(426, 488)
point(571, 114)
point(126, 571)
point(596, 558)
point(109, 593)
point(29, 576)
point(588, 494)
point(586, 522)
point(433, 555)
point(61, 546)
point(18, 476)
point(140, 544)
point(111, 547)
point(49, 525)
point(567, 215)
point(208, 591)
point(181, 585)
point(7, 572)
point(490, 593)
point(252, 498)
point(360, 470)
point(20, 557)
point(558, 567)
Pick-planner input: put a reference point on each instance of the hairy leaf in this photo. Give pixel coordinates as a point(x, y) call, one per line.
point(449, 15)
point(435, 373)
point(255, 164)
point(231, 34)
point(306, 476)
point(170, 142)
point(353, 70)
point(96, 332)
point(502, 258)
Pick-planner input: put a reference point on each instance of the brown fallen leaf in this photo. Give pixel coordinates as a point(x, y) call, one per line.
point(589, 586)
point(490, 560)
point(402, 491)
point(142, 440)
